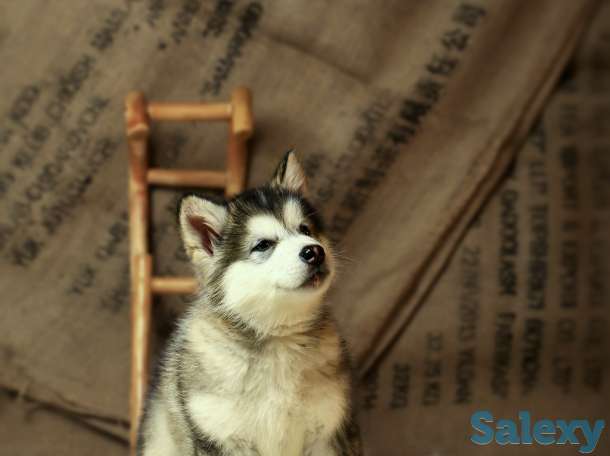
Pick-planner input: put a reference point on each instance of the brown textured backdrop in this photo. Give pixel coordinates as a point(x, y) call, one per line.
point(407, 115)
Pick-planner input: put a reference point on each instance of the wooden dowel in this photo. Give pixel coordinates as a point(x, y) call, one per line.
point(137, 122)
point(187, 178)
point(189, 111)
point(236, 165)
point(138, 198)
point(173, 285)
point(140, 262)
point(140, 340)
point(242, 122)
point(136, 118)
point(240, 130)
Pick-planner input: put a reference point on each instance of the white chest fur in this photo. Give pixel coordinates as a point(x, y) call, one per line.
point(280, 400)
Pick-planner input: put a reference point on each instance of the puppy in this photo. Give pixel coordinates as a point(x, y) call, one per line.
point(256, 366)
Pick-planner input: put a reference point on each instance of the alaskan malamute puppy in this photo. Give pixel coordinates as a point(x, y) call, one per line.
point(256, 367)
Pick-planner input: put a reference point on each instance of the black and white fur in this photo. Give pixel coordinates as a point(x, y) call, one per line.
point(256, 367)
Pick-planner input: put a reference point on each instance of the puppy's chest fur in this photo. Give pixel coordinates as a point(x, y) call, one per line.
point(283, 396)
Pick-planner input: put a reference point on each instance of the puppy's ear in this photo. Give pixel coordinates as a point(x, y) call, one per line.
point(290, 175)
point(201, 223)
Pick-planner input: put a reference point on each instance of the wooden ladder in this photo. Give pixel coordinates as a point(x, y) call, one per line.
point(138, 114)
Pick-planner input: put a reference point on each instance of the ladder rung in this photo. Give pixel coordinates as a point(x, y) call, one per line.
point(173, 285)
point(189, 111)
point(187, 178)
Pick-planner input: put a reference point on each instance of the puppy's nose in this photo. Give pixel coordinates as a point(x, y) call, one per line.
point(312, 254)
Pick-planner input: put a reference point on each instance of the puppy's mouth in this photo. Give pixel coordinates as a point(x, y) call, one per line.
point(315, 279)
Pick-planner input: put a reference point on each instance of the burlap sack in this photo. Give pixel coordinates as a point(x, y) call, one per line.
point(404, 115)
point(31, 429)
point(519, 319)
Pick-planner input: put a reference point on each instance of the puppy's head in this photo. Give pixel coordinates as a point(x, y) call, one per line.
point(262, 256)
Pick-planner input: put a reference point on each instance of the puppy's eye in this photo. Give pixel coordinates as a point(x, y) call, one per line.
point(262, 245)
point(304, 229)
